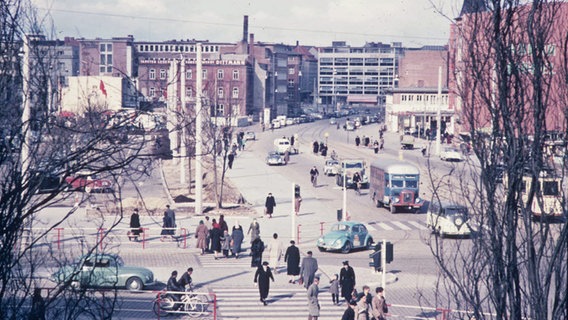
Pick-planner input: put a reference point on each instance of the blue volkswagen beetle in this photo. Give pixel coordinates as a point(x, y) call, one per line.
point(345, 236)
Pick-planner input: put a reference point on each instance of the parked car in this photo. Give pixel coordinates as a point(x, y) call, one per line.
point(89, 182)
point(345, 236)
point(276, 124)
point(331, 167)
point(250, 135)
point(290, 121)
point(104, 270)
point(274, 158)
point(332, 121)
point(448, 218)
point(450, 154)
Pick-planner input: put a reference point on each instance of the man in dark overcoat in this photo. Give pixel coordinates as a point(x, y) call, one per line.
point(270, 204)
point(346, 280)
point(308, 269)
point(262, 278)
point(292, 258)
point(256, 249)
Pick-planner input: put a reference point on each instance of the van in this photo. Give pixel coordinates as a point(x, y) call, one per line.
point(446, 218)
point(282, 145)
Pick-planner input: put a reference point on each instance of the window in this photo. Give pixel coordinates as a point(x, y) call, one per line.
point(188, 92)
point(291, 71)
point(220, 110)
point(152, 92)
point(152, 74)
point(204, 73)
point(403, 97)
point(550, 188)
point(235, 74)
point(188, 74)
point(235, 92)
point(220, 93)
point(106, 57)
point(220, 74)
point(163, 74)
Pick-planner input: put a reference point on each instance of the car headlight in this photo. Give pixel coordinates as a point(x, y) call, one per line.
point(396, 200)
point(417, 200)
point(320, 240)
point(458, 221)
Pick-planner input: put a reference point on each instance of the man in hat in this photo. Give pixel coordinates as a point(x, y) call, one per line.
point(313, 302)
point(308, 269)
point(262, 279)
point(346, 280)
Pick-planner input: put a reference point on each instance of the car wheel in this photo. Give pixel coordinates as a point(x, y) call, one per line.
point(338, 180)
point(370, 244)
point(392, 209)
point(321, 249)
point(346, 247)
point(134, 284)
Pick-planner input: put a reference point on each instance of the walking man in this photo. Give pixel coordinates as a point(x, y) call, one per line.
point(379, 305)
point(262, 279)
point(308, 269)
point(269, 204)
point(313, 302)
point(357, 182)
point(314, 173)
point(292, 258)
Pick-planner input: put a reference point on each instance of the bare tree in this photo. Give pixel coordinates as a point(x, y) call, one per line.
point(509, 72)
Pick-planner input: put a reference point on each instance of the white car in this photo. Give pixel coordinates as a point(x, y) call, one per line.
point(331, 167)
point(275, 159)
point(249, 135)
point(276, 124)
point(451, 154)
point(448, 219)
point(332, 121)
point(290, 121)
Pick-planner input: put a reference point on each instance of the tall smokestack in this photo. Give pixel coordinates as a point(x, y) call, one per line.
point(245, 28)
point(251, 44)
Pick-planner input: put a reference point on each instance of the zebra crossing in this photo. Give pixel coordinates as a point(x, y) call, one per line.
point(283, 303)
point(208, 260)
point(396, 225)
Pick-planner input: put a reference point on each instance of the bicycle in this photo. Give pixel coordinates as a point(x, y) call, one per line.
point(192, 304)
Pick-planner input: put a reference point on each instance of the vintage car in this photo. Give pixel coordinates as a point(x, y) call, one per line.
point(332, 121)
point(89, 182)
point(331, 167)
point(249, 135)
point(447, 218)
point(104, 271)
point(450, 154)
point(345, 236)
point(275, 159)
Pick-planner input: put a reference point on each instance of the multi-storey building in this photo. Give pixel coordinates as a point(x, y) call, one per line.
point(356, 75)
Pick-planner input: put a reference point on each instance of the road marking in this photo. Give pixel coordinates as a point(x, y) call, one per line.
point(401, 225)
point(371, 228)
point(417, 224)
point(385, 226)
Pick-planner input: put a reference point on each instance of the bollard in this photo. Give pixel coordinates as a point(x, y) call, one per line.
point(144, 237)
point(321, 228)
point(59, 231)
point(214, 305)
point(183, 232)
point(445, 313)
point(100, 236)
point(298, 234)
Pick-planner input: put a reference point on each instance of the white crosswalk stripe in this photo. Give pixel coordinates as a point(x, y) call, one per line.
point(283, 303)
point(418, 225)
point(208, 260)
point(396, 225)
point(401, 225)
point(384, 226)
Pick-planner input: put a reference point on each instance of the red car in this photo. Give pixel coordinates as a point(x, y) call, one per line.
point(88, 182)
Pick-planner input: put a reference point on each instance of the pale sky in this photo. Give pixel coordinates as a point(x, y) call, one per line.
point(312, 22)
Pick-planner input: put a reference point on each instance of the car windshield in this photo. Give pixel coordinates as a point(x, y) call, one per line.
point(397, 183)
point(411, 184)
point(455, 211)
point(357, 165)
point(340, 227)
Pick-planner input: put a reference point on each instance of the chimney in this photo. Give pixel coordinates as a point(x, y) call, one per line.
point(251, 44)
point(297, 43)
point(245, 28)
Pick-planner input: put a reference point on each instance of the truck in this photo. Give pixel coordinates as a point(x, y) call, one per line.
point(395, 184)
point(348, 167)
point(407, 142)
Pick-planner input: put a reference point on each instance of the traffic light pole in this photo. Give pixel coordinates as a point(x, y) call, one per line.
point(293, 212)
point(384, 263)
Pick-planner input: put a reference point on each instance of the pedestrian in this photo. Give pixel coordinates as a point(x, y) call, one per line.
point(263, 126)
point(357, 183)
point(234, 149)
point(346, 280)
point(379, 304)
point(269, 205)
point(334, 289)
point(297, 203)
point(287, 156)
point(201, 235)
point(256, 249)
point(134, 226)
point(292, 259)
point(362, 307)
point(208, 239)
point(376, 146)
point(226, 243)
point(171, 213)
point(367, 141)
point(292, 140)
point(174, 286)
point(337, 125)
point(324, 151)
point(167, 227)
point(315, 147)
point(262, 278)
point(216, 235)
point(313, 302)
point(308, 269)
point(275, 252)
point(382, 144)
point(314, 173)
point(222, 223)
point(349, 313)
point(357, 141)
point(238, 237)
point(37, 311)
point(254, 230)
point(230, 159)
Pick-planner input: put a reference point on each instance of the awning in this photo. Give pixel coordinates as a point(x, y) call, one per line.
point(361, 98)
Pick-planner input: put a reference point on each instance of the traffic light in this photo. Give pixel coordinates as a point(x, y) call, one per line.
point(296, 190)
point(375, 260)
point(390, 252)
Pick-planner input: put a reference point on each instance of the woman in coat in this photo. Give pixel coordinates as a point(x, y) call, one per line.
point(216, 235)
point(262, 278)
point(254, 230)
point(269, 205)
point(292, 258)
point(346, 280)
point(256, 250)
point(238, 237)
point(201, 235)
point(167, 227)
point(135, 224)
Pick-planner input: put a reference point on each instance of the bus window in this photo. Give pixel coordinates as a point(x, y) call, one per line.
point(550, 188)
point(397, 183)
point(411, 184)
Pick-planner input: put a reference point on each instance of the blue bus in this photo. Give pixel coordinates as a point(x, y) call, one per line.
point(395, 184)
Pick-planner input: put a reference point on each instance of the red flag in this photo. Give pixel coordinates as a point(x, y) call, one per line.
point(102, 87)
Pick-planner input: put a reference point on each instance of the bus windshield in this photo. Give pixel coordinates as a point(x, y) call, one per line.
point(357, 165)
point(397, 183)
point(411, 184)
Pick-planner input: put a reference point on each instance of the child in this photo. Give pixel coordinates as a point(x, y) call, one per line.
point(226, 243)
point(334, 289)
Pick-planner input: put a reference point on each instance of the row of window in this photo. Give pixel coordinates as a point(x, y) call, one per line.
point(189, 74)
point(189, 92)
point(175, 48)
point(427, 98)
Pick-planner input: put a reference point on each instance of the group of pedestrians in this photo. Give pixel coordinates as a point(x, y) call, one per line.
point(214, 237)
point(319, 147)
